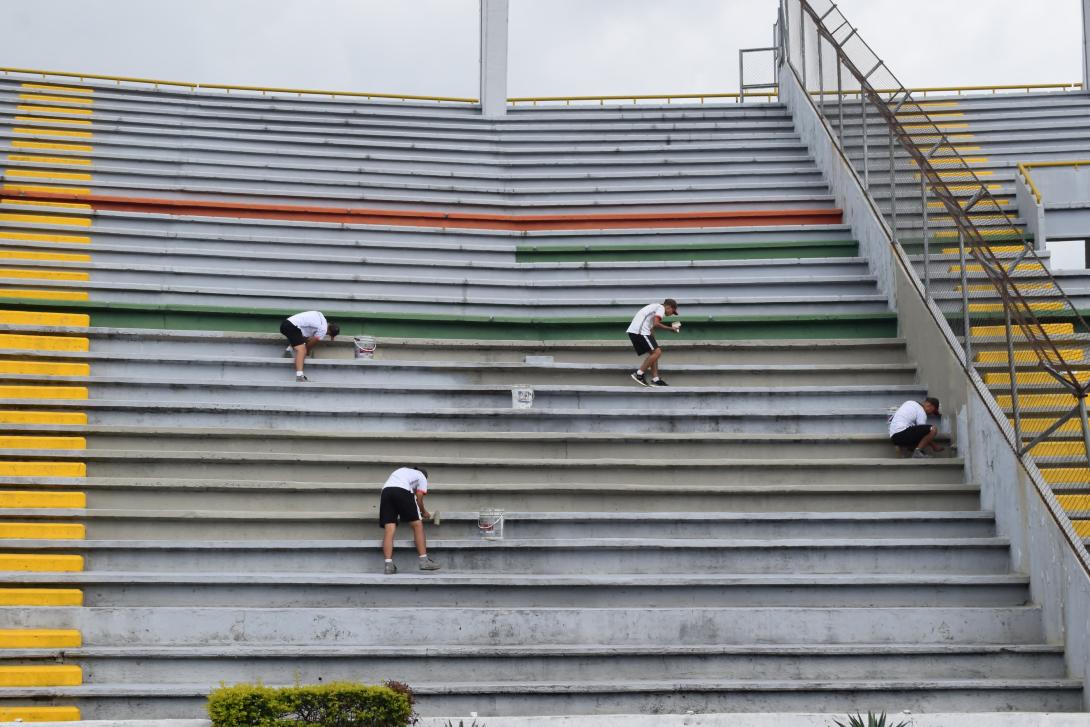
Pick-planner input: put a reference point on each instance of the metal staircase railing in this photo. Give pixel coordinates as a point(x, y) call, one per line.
point(915, 158)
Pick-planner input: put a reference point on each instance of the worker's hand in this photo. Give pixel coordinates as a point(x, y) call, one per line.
point(425, 514)
point(676, 326)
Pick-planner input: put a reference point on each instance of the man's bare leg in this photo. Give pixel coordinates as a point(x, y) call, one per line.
point(418, 538)
point(388, 540)
point(929, 441)
point(651, 363)
point(300, 355)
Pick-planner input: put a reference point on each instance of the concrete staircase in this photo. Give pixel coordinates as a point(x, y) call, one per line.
point(179, 513)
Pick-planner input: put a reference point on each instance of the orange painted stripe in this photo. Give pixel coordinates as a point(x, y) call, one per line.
point(422, 218)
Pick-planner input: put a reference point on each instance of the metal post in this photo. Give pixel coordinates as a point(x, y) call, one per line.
point(893, 188)
point(802, 50)
point(1083, 423)
point(821, 78)
point(741, 77)
point(840, 101)
point(926, 236)
point(493, 57)
point(866, 146)
point(1086, 46)
point(1013, 369)
point(968, 344)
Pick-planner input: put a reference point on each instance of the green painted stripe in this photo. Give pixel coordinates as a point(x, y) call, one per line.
point(414, 325)
point(689, 251)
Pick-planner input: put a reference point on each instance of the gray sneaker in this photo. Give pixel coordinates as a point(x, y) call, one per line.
point(428, 564)
point(390, 569)
point(920, 454)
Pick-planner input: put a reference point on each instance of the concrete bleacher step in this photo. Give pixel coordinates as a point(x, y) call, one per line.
point(546, 556)
point(173, 493)
point(371, 588)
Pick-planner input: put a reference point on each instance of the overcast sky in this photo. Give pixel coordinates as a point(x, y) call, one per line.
point(558, 47)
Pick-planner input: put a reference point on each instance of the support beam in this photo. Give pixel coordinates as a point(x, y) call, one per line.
point(494, 17)
point(1086, 45)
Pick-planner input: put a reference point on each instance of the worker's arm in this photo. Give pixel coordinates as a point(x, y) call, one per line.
point(663, 326)
point(420, 504)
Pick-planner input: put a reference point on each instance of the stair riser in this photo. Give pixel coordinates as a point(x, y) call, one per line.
point(456, 626)
point(629, 560)
point(433, 669)
point(310, 595)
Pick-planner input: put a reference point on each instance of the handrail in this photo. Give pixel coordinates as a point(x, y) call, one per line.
point(156, 82)
point(1024, 167)
point(515, 100)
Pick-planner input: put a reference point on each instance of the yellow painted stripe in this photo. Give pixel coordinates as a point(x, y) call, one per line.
point(54, 87)
point(1029, 378)
point(1070, 354)
point(42, 500)
point(39, 714)
point(941, 127)
point(954, 160)
point(46, 237)
point(955, 175)
point(43, 392)
point(1059, 449)
point(44, 188)
point(49, 173)
point(44, 294)
point(1074, 502)
point(31, 274)
point(34, 563)
point(42, 417)
point(1036, 426)
point(38, 203)
point(1023, 268)
point(42, 98)
point(40, 638)
point(51, 146)
point(1052, 329)
point(45, 368)
point(53, 132)
point(37, 318)
point(1082, 528)
point(997, 249)
point(1065, 475)
point(28, 109)
point(44, 219)
point(43, 469)
point(65, 257)
point(46, 120)
point(42, 531)
point(1065, 401)
point(44, 343)
point(30, 442)
point(52, 675)
point(937, 104)
point(971, 187)
point(996, 232)
point(39, 597)
point(33, 159)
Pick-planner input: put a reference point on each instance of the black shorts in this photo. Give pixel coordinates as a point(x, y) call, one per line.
point(295, 336)
point(643, 344)
point(909, 438)
point(397, 505)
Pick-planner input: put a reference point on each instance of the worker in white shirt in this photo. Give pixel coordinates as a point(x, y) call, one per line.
point(642, 334)
point(402, 500)
point(304, 331)
point(909, 430)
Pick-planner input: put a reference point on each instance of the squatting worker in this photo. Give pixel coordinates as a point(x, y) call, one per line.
point(908, 427)
point(641, 333)
point(403, 500)
point(304, 331)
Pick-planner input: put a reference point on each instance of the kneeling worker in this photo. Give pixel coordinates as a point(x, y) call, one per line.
point(403, 499)
point(909, 430)
point(641, 333)
point(304, 331)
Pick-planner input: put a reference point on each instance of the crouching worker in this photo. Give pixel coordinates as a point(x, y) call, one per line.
point(304, 331)
point(403, 501)
point(909, 430)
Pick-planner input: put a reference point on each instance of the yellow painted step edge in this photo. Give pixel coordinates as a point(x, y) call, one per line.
point(40, 597)
point(34, 563)
point(42, 531)
point(42, 500)
point(39, 714)
point(37, 318)
point(45, 343)
point(43, 417)
point(52, 675)
point(43, 469)
point(40, 638)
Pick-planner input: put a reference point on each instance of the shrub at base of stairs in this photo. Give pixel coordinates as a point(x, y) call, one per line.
point(338, 704)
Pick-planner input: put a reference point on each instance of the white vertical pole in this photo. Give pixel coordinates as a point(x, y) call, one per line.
point(494, 16)
point(1086, 46)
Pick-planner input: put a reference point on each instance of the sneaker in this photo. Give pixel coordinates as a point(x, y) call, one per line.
point(289, 352)
point(640, 379)
point(301, 378)
point(659, 382)
point(920, 454)
point(428, 564)
point(390, 569)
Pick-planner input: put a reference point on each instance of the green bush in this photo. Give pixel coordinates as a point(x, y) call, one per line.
point(337, 704)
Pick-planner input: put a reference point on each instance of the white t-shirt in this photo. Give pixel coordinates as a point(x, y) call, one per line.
point(407, 479)
point(311, 323)
point(909, 415)
point(645, 319)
